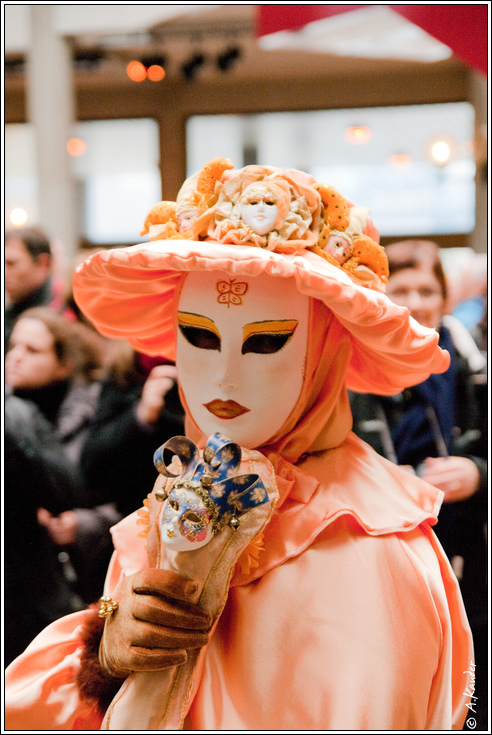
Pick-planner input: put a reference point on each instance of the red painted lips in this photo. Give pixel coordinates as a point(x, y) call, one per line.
point(226, 409)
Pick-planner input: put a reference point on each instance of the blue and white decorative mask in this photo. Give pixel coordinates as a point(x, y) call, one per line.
point(208, 493)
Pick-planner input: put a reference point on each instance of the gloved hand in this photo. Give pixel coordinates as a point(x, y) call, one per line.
point(153, 624)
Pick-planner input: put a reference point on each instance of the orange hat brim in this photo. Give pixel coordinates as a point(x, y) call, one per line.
point(130, 292)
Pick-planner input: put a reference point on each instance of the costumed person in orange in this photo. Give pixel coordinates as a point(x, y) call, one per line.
point(325, 603)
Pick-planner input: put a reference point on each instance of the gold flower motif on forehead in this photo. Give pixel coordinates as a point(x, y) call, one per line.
point(231, 292)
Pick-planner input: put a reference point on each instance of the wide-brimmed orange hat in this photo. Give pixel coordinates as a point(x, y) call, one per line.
point(130, 293)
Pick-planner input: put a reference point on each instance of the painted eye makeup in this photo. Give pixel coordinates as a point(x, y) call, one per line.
point(204, 339)
point(262, 338)
point(266, 338)
point(265, 344)
point(199, 331)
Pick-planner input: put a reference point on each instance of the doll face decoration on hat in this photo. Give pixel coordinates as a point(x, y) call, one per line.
point(259, 208)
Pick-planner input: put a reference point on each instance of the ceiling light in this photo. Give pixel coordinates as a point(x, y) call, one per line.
point(440, 151)
point(136, 71)
point(76, 147)
point(228, 58)
point(147, 67)
point(191, 67)
point(358, 134)
point(156, 73)
point(18, 216)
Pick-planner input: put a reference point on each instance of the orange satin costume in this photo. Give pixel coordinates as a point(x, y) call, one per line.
point(352, 621)
point(353, 618)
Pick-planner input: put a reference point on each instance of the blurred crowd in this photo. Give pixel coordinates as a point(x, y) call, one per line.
point(83, 417)
point(84, 414)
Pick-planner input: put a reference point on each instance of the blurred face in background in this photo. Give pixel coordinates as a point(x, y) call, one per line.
point(31, 361)
point(419, 290)
point(23, 274)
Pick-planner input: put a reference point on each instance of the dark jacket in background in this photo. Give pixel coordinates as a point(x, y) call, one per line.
point(380, 421)
point(37, 474)
point(117, 457)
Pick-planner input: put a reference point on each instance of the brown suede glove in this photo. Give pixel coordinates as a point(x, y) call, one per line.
point(153, 625)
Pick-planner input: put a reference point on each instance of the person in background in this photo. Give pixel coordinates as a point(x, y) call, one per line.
point(55, 366)
point(139, 409)
point(439, 429)
point(29, 276)
point(108, 420)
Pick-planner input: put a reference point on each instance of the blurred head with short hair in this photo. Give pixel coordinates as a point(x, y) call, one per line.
point(28, 262)
point(417, 280)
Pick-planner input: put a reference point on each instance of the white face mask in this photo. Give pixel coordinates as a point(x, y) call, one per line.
point(241, 352)
point(186, 524)
point(258, 209)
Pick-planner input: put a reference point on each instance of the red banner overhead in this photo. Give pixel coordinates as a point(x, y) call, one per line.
point(464, 28)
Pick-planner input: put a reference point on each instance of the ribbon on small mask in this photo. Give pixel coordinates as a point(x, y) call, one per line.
point(217, 472)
